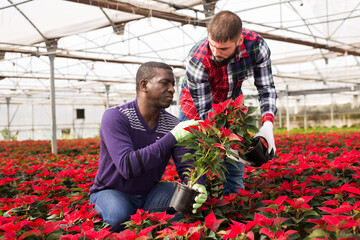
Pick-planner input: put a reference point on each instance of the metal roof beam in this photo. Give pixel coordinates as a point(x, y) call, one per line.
point(282, 93)
point(78, 57)
point(65, 78)
point(308, 43)
point(319, 91)
point(146, 12)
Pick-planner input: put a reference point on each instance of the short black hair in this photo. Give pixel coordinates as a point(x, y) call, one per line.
point(148, 70)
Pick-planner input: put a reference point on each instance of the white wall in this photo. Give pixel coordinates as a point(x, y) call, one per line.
point(34, 121)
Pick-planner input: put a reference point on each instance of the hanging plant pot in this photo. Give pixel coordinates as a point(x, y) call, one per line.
point(257, 155)
point(183, 198)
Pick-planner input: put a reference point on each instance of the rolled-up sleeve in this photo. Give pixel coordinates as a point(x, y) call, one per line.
point(264, 81)
point(199, 87)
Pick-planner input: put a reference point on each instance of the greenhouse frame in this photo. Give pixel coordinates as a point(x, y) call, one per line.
point(64, 62)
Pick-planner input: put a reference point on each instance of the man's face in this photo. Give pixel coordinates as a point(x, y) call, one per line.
point(160, 89)
point(223, 51)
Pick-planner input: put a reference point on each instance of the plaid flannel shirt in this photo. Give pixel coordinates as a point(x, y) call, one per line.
point(206, 83)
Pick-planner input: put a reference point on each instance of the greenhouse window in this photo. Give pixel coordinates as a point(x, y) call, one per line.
point(80, 113)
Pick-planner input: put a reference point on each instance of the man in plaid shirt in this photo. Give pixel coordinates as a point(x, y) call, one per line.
point(216, 69)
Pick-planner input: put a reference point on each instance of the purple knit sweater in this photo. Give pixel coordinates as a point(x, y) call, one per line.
point(134, 156)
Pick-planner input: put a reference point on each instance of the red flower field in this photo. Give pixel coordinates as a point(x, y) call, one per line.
point(310, 190)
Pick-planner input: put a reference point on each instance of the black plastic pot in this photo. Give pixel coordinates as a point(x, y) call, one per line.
point(257, 155)
point(183, 198)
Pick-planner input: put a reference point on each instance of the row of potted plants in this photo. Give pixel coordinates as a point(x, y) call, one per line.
point(310, 190)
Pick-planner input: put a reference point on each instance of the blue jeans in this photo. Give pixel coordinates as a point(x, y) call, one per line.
point(234, 178)
point(116, 207)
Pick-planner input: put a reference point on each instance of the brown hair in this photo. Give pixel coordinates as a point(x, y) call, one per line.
point(225, 26)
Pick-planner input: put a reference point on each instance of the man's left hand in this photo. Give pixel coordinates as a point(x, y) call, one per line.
point(266, 132)
point(180, 133)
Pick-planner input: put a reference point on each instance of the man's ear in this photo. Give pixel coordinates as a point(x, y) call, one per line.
point(240, 40)
point(143, 85)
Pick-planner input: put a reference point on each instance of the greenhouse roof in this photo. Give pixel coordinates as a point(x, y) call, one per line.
point(98, 45)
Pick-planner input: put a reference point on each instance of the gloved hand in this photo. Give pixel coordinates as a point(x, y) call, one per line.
point(200, 198)
point(266, 132)
point(179, 132)
point(238, 158)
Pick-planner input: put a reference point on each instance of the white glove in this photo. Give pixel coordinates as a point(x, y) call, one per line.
point(238, 158)
point(266, 132)
point(180, 133)
point(201, 198)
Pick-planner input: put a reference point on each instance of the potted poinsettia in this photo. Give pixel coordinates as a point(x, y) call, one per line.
point(229, 127)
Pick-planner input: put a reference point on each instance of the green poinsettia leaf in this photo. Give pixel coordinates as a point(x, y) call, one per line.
point(250, 121)
point(201, 170)
point(311, 213)
point(211, 140)
point(193, 145)
point(199, 134)
point(253, 129)
point(318, 233)
point(222, 175)
point(216, 131)
point(251, 110)
point(239, 131)
point(186, 157)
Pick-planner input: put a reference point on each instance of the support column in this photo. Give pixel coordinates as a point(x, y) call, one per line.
point(51, 46)
point(305, 117)
point(177, 95)
point(107, 88)
point(8, 117)
point(73, 122)
point(332, 110)
point(287, 109)
point(296, 106)
point(280, 114)
point(32, 120)
point(355, 102)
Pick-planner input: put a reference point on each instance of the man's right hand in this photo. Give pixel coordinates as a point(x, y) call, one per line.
point(201, 198)
point(180, 133)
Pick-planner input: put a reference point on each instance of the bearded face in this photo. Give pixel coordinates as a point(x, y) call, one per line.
point(223, 51)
